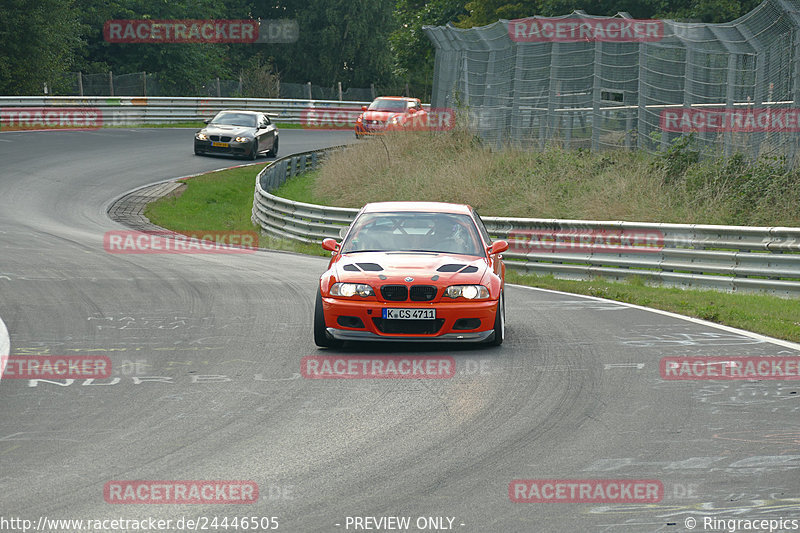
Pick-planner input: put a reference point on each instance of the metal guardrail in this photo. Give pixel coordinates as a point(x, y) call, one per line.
point(297, 221)
point(731, 258)
point(127, 110)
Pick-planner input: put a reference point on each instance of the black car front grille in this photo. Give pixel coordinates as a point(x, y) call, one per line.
point(224, 138)
point(410, 327)
point(394, 293)
point(423, 293)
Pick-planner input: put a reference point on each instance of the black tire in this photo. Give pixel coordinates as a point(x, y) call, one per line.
point(499, 322)
point(254, 152)
point(197, 152)
point(321, 337)
point(274, 150)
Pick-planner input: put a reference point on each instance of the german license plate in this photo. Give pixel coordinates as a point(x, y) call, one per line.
point(220, 145)
point(409, 314)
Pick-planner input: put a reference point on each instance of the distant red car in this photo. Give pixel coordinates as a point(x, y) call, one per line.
point(412, 271)
point(388, 113)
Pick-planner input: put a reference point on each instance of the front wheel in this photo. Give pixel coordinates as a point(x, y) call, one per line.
point(274, 151)
point(321, 336)
point(254, 151)
point(499, 322)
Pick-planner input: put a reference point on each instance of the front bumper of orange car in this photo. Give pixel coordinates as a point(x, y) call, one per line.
point(456, 321)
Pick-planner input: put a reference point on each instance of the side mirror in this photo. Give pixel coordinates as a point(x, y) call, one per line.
point(497, 247)
point(363, 108)
point(206, 121)
point(332, 245)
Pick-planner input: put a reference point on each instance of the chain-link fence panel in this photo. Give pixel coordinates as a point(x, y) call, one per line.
point(148, 84)
point(734, 86)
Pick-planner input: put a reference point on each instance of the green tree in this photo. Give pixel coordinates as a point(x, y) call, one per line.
point(38, 43)
point(340, 41)
point(412, 50)
point(182, 68)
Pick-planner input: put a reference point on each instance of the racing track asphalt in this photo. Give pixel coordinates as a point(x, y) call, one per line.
point(574, 393)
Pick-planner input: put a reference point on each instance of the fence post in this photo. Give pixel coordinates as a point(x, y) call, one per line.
point(144, 83)
point(340, 90)
point(219, 89)
point(110, 83)
point(308, 87)
point(80, 83)
point(596, 94)
point(642, 131)
point(372, 88)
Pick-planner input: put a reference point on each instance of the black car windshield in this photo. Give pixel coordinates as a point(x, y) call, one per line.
point(412, 231)
point(396, 106)
point(234, 119)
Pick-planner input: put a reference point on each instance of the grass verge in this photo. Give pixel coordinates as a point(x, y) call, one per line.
point(764, 314)
point(220, 201)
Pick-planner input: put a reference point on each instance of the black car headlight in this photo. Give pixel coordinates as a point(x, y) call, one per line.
point(470, 292)
point(242, 139)
point(201, 136)
point(351, 289)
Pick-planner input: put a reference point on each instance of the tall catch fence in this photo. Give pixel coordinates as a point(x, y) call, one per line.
point(734, 84)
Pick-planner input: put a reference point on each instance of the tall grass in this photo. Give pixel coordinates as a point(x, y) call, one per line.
point(616, 185)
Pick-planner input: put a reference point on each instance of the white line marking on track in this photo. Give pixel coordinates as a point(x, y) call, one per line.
point(762, 338)
point(5, 347)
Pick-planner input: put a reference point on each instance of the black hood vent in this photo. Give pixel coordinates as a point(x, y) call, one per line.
point(363, 267)
point(461, 269)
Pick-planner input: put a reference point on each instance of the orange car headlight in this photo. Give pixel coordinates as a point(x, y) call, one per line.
point(349, 290)
point(470, 292)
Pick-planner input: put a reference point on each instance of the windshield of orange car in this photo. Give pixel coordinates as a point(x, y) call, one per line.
point(394, 106)
point(234, 119)
point(414, 232)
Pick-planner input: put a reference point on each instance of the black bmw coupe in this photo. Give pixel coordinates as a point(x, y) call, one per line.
point(239, 133)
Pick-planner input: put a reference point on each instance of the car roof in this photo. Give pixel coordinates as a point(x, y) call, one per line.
point(425, 207)
point(409, 99)
point(240, 111)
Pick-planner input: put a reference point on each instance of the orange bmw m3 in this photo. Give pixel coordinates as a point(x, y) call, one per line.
point(412, 271)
